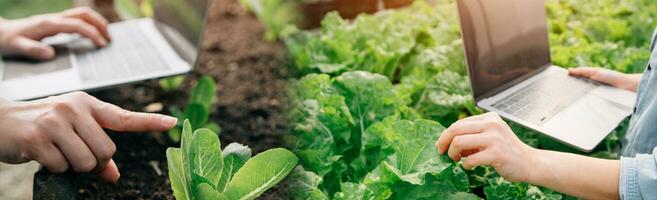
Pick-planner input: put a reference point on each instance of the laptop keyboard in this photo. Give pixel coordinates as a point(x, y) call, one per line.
point(544, 98)
point(129, 54)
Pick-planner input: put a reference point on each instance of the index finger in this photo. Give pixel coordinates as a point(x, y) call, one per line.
point(115, 118)
point(90, 16)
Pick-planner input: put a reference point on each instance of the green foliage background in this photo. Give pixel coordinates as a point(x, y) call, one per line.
point(12, 9)
point(346, 154)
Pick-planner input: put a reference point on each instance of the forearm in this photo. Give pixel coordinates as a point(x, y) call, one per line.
point(576, 175)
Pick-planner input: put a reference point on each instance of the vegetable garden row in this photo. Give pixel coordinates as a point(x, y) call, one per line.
point(375, 93)
point(366, 100)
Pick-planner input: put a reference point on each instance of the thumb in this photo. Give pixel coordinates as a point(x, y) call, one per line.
point(30, 48)
point(586, 72)
point(110, 173)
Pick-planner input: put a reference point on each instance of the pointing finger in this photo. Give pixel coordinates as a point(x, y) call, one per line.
point(115, 118)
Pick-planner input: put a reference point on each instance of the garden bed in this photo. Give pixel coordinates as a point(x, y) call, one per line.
point(250, 76)
point(365, 90)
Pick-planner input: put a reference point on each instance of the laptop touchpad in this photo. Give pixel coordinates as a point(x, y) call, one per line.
point(18, 67)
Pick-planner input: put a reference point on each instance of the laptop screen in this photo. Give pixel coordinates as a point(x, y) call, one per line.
point(182, 23)
point(505, 41)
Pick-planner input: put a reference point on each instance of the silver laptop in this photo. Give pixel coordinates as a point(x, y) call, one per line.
point(141, 49)
point(509, 65)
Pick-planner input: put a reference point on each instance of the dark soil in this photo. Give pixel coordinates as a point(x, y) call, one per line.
point(250, 75)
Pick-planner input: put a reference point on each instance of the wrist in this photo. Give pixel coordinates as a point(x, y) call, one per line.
point(537, 163)
point(633, 81)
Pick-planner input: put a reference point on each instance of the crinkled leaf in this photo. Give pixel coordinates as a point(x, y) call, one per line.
point(445, 96)
point(322, 123)
point(353, 191)
point(302, 185)
point(413, 144)
point(369, 96)
point(502, 189)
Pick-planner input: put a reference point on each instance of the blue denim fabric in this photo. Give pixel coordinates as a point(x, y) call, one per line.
point(639, 161)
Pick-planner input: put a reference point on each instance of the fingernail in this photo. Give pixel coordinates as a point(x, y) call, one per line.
point(47, 54)
point(103, 42)
point(117, 178)
point(168, 121)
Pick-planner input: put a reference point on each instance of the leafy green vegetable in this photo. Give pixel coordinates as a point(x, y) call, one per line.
point(445, 97)
point(607, 33)
point(359, 141)
point(235, 155)
point(171, 83)
point(274, 14)
point(302, 185)
point(366, 86)
point(261, 173)
point(198, 108)
point(200, 170)
point(206, 159)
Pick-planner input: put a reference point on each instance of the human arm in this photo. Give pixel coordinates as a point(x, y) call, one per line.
point(610, 77)
point(487, 140)
point(66, 131)
point(23, 36)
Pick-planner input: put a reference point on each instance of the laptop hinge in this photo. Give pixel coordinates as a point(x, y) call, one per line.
point(511, 83)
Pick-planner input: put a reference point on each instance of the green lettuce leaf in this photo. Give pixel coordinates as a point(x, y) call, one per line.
point(369, 96)
point(206, 191)
point(234, 157)
point(206, 158)
point(260, 173)
point(322, 123)
point(177, 175)
point(200, 170)
point(302, 185)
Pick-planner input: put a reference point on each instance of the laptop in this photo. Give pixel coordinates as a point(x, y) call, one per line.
point(508, 57)
point(141, 49)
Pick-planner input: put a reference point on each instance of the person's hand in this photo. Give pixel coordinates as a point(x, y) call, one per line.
point(22, 36)
point(487, 140)
point(609, 77)
point(66, 131)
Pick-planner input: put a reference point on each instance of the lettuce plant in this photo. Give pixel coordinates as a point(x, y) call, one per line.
point(197, 109)
point(357, 140)
point(274, 14)
point(200, 170)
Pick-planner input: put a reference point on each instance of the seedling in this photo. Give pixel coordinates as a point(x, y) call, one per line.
point(274, 14)
point(197, 109)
